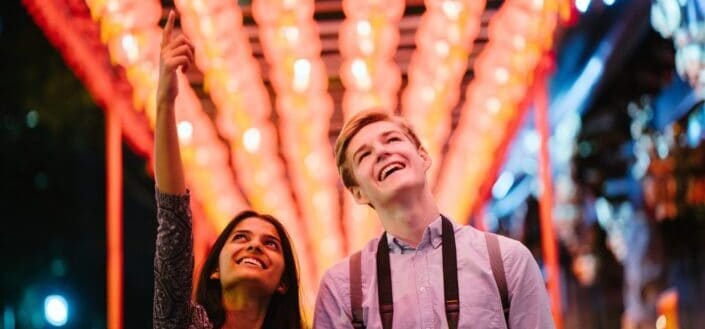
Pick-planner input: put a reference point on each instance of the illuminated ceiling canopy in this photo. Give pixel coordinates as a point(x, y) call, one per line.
point(274, 81)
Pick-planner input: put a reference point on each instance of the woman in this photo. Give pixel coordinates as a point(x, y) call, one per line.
point(249, 279)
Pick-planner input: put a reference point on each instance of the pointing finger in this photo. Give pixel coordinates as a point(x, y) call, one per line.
point(168, 28)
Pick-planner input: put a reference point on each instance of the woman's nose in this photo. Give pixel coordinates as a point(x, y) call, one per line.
point(253, 246)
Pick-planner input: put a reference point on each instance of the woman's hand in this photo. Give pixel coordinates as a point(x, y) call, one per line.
point(175, 53)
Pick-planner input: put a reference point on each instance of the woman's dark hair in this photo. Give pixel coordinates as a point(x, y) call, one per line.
point(284, 310)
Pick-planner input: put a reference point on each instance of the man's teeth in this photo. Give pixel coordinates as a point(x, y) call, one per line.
point(389, 169)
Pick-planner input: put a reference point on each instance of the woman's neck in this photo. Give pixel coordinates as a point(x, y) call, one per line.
point(242, 310)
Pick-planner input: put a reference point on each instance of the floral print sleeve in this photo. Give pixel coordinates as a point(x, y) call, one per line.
point(173, 266)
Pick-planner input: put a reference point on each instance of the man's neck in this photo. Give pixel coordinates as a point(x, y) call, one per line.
point(407, 218)
point(244, 311)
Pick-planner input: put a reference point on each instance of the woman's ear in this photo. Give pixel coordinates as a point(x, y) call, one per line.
point(215, 275)
point(282, 288)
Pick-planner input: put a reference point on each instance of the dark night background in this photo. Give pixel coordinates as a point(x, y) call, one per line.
point(53, 188)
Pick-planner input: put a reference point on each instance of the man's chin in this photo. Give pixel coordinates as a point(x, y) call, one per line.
point(398, 190)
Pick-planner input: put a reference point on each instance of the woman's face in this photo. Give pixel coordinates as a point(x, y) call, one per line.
point(253, 256)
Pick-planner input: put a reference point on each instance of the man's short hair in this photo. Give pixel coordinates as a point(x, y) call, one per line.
point(353, 126)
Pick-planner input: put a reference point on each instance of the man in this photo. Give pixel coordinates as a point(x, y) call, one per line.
point(403, 279)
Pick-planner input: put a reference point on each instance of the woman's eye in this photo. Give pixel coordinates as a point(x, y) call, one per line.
point(239, 237)
point(395, 139)
point(271, 244)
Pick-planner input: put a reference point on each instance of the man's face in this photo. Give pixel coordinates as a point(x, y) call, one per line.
point(385, 162)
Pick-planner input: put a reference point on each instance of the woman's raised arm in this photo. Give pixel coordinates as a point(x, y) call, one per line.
point(176, 53)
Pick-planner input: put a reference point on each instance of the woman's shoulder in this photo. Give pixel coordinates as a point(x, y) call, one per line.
point(199, 318)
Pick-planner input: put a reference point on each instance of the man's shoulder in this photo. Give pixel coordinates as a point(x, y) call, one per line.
point(507, 243)
point(340, 271)
point(508, 246)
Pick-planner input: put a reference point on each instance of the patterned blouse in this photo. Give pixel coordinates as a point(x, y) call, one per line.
point(173, 267)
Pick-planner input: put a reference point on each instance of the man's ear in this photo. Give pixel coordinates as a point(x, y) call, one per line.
point(357, 194)
point(215, 275)
point(426, 158)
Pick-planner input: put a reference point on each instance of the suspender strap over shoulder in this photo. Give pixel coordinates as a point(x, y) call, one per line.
point(356, 291)
point(384, 283)
point(450, 275)
point(498, 272)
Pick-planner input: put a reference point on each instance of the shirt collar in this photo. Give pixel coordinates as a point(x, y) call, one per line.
point(432, 238)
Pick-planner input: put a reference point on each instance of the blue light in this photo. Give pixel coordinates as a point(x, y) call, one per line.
point(604, 212)
point(56, 310)
point(576, 96)
point(8, 317)
point(608, 2)
point(503, 184)
point(32, 119)
point(582, 5)
point(694, 132)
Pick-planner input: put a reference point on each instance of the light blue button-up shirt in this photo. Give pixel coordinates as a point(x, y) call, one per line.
point(417, 285)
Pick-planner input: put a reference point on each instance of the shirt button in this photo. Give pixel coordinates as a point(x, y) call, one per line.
point(422, 289)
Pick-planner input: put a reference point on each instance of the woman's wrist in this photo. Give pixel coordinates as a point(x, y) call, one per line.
point(164, 104)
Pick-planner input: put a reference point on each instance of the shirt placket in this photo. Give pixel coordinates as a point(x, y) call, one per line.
point(423, 288)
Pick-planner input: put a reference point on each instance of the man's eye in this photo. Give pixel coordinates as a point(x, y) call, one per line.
point(362, 156)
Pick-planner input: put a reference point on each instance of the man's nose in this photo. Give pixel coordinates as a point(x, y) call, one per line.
point(381, 152)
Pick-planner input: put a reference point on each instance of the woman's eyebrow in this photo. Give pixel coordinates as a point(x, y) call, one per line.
point(272, 237)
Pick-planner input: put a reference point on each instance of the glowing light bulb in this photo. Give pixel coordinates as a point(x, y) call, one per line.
point(363, 28)
point(361, 74)
point(56, 310)
point(302, 74)
point(452, 9)
point(129, 45)
point(184, 130)
point(251, 139)
point(501, 75)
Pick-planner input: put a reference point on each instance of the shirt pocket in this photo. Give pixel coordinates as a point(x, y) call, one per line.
point(480, 318)
point(480, 305)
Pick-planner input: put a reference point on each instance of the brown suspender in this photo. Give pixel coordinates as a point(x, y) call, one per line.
point(450, 275)
point(450, 280)
point(384, 283)
point(356, 291)
point(498, 272)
